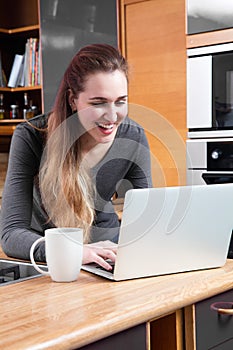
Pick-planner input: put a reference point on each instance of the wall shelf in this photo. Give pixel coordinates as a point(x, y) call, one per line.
point(11, 121)
point(19, 30)
point(23, 88)
point(16, 29)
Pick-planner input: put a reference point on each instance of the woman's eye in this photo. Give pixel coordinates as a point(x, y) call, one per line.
point(121, 102)
point(98, 103)
point(102, 104)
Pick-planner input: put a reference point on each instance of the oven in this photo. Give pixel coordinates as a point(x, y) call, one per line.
point(210, 161)
point(210, 91)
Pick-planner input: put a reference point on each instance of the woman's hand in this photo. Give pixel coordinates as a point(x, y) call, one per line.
point(99, 252)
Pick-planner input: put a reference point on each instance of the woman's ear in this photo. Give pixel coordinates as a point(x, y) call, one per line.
point(71, 98)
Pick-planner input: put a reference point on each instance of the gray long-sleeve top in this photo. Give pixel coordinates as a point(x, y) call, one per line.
point(23, 220)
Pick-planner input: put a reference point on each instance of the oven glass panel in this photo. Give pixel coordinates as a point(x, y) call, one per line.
point(223, 91)
point(214, 179)
point(220, 156)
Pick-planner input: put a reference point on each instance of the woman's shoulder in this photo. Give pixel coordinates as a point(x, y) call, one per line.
point(35, 123)
point(40, 121)
point(36, 126)
point(33, 130)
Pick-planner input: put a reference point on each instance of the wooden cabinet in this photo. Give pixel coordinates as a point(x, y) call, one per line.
point(62, 28)
point(209, 38)
point(132, 338)
point(204, 28)
point(153, 39)
point(163, 333)
point(207, 328)
point(166, 332)
point(16, 26)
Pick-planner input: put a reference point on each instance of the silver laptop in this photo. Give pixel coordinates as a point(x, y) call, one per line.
point(172, 229)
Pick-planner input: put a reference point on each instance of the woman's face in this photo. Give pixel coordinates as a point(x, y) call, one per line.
point(103, 105)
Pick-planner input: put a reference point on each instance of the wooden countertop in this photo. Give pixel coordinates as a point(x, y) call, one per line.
point(41, 314)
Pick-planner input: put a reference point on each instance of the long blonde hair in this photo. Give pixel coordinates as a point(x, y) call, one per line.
point(65, 183)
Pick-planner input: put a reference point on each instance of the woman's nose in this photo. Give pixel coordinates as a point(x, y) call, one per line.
point(111, 114)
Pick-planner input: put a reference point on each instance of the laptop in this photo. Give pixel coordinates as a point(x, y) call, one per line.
point(172, 229)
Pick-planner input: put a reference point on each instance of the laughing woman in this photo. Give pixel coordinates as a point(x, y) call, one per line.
point(65, 167)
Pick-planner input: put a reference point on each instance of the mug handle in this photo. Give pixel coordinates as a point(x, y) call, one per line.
point(32, 256)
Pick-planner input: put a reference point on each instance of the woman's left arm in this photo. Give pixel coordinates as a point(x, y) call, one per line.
point(139, 174)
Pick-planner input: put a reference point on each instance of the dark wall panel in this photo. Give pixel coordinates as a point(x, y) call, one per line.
point(66, 26)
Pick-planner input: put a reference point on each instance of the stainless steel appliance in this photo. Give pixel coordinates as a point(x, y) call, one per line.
point(15, 271)
point(210, 91)
point(210, 161)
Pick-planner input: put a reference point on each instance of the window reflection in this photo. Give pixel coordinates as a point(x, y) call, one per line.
point(209, 15)
point(66, 26)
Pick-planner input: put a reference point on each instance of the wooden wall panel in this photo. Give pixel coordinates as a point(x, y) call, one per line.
point(18, 13)
point(155, 45)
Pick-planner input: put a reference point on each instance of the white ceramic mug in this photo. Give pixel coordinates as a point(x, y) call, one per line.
point(64, 250)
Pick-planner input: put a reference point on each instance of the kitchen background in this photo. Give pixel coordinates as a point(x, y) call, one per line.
point(174, 69)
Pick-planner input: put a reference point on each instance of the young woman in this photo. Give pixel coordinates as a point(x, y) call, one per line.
point(65, 167)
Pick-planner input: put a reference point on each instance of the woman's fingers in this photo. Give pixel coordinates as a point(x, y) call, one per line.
point(103, 263)
point(109, 254)
point(98, 255)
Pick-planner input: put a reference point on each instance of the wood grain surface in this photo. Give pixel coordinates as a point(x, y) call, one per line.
point(209, 38)
point(154, 43)
point(41, 314)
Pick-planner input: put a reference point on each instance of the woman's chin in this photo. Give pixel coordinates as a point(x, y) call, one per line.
point(103, 136)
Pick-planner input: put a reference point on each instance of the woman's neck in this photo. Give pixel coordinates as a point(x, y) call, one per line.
point(93, 152)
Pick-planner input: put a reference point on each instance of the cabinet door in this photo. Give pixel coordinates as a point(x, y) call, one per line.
point(133, 338)
point(18, 28)
point(166, 333)
point(213, 329)
point(155, 47)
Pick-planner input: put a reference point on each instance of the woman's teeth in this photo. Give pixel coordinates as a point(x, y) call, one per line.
point(105, 126)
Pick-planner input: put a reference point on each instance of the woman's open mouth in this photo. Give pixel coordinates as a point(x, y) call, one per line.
point(105, 128)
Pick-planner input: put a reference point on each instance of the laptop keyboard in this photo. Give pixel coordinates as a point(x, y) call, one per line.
point(110, 271)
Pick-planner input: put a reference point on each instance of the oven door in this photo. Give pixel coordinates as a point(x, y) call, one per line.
point(217, 178)
point(210, 89)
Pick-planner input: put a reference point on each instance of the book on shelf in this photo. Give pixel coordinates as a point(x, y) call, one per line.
point(2, 82)
point(15, 70)
point(20, 79)
point(4, 78)
point(32, 62)
point(26, 68)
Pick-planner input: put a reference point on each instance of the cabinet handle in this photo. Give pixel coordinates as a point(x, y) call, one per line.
point(223, 307)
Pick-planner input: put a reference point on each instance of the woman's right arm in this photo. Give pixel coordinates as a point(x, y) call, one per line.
point(17, 235)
